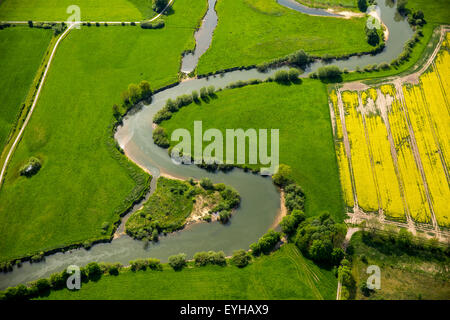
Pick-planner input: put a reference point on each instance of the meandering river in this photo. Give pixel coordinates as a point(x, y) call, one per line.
point(260, 198)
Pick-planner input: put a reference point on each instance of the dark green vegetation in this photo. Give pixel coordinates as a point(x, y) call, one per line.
point(55, 10)
point(300, 112)
point(84, 181)
point(411, 268)
point(285, 274)
point(254, 31)
point(21, 51)
point(339, 4)
point(173, 201)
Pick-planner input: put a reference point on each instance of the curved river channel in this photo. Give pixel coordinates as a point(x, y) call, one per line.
point(260, 198)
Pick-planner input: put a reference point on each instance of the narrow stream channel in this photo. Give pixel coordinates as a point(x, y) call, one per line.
point(260, 198)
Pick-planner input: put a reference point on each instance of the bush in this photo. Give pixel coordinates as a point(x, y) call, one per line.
point(206, 184)
point(281, 76)
point(93, 271)
point(160, 137)
point(224, 216)
point(211, 90)
point(294, 197)
point(177, 262)
point(266, 243)
point(204, 258)
point(320, 239)
point(195, 95)
point(299, 59)
point(159, 5)
point(203, 93)
point(290, 222)
point(240, 258)
point(153, 25)
point(139, 264)
point(329, 73)
point(283, 175)
point(293, 75)
point(31, 168)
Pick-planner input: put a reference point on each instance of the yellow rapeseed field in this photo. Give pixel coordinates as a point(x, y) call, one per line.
point(342, 159)
point(366, 190)
point(386, 177)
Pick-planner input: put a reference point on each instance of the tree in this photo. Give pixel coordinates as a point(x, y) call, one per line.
point(177, 262)
point(290, 222)
point(372, 37)
point(299, 59)
point(293, 74)
point(93, 270)
point(329, 73)
point(146, 91)
point(159, 5)
point(134, 93)
point(240, 258)
point(362, 5)
point(211, 91)
point(206, 184)
point(281, 76)
point(283, 175)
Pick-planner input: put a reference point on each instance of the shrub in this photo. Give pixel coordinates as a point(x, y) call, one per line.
point(113, 269)
point(159, 5)
point(195, 95)
point(293, 75)
point(139, 264)
point(203, 93)
point(372, 37)
point(283, 175)
point(224, 216)
point(240, 258)
point(177, 262)
point(206, 184)
point(160, 137)
point(281, 76)
point(290, 222)
point(93, 271)
point(266, 243)
point(154, 264)
point(31, 168)
point(329, 73)
point(153, 25)
point(211, 90)
point(299, 59)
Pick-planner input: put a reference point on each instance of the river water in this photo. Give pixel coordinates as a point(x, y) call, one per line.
point(260, 199)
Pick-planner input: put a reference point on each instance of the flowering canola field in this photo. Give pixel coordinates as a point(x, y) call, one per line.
point(399, 146)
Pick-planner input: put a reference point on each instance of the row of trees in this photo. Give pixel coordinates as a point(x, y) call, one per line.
point(135, 93)
point(173, 106)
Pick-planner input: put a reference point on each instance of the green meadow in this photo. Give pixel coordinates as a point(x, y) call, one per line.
point(21, 52)
point(55, 10)
point(285, 274)
point(254, 31)
point(403, 276)
point(300, 112)
point(80, 185)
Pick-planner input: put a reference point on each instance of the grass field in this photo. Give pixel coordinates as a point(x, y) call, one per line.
point(55, 10)
point(253, 31)
point(21, 52)
point(284, 274)
point(403, 276)
point(302, 115)
point(80, 184)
